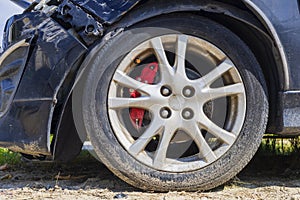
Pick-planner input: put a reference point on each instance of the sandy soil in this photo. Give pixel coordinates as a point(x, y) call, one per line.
point(266, 177)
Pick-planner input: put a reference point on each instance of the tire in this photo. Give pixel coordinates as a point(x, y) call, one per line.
point(208, 155)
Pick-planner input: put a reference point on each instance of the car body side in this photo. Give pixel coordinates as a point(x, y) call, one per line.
point(57, 46)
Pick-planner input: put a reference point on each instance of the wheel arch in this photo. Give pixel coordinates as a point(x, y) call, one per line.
point(243, 12)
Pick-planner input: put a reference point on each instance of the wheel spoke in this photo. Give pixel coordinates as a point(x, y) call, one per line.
point(140, 102)
point(166, 71)
point(216, 73)
point(182, 41)
point(140, 144)
point(160, 52)
point(215, 130)
point(160, 155)
point(204, 148)
point(126, 81)
point(214, 93)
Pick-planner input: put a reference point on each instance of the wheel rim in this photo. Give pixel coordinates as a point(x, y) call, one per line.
point(181, 133)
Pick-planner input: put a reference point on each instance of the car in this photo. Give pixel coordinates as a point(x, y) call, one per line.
point(171, 95)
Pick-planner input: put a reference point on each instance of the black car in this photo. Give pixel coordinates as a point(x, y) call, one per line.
point(172, 95)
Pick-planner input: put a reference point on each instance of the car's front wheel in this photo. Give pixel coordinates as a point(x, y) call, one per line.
point(175, 103)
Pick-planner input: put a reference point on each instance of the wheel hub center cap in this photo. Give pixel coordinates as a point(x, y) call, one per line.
point(176, 102)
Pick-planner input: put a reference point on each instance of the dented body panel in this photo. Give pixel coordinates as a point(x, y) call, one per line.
point(25, 126)
point(108, 11)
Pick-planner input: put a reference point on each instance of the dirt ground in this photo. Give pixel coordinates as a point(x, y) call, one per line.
point(266, 177)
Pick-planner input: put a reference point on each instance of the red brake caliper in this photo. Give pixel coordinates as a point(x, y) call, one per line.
point(147, 76)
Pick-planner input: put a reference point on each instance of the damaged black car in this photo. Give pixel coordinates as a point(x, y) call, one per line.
point(171, 95)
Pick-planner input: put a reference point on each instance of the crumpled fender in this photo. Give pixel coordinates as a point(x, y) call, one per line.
point(43, 66)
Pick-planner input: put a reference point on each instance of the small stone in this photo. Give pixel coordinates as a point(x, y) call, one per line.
point(4, 167)
point(6, 176)
point(48, 187)
point(120, 196)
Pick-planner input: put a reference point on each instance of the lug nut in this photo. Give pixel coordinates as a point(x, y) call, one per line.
point(165, 113)
point(187, 113)
point(165, 91)
point(188, 91)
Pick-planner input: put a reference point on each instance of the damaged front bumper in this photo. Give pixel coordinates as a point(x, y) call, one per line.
point(39, 55)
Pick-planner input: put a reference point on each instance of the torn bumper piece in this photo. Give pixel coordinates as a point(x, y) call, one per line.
point(39, 55)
